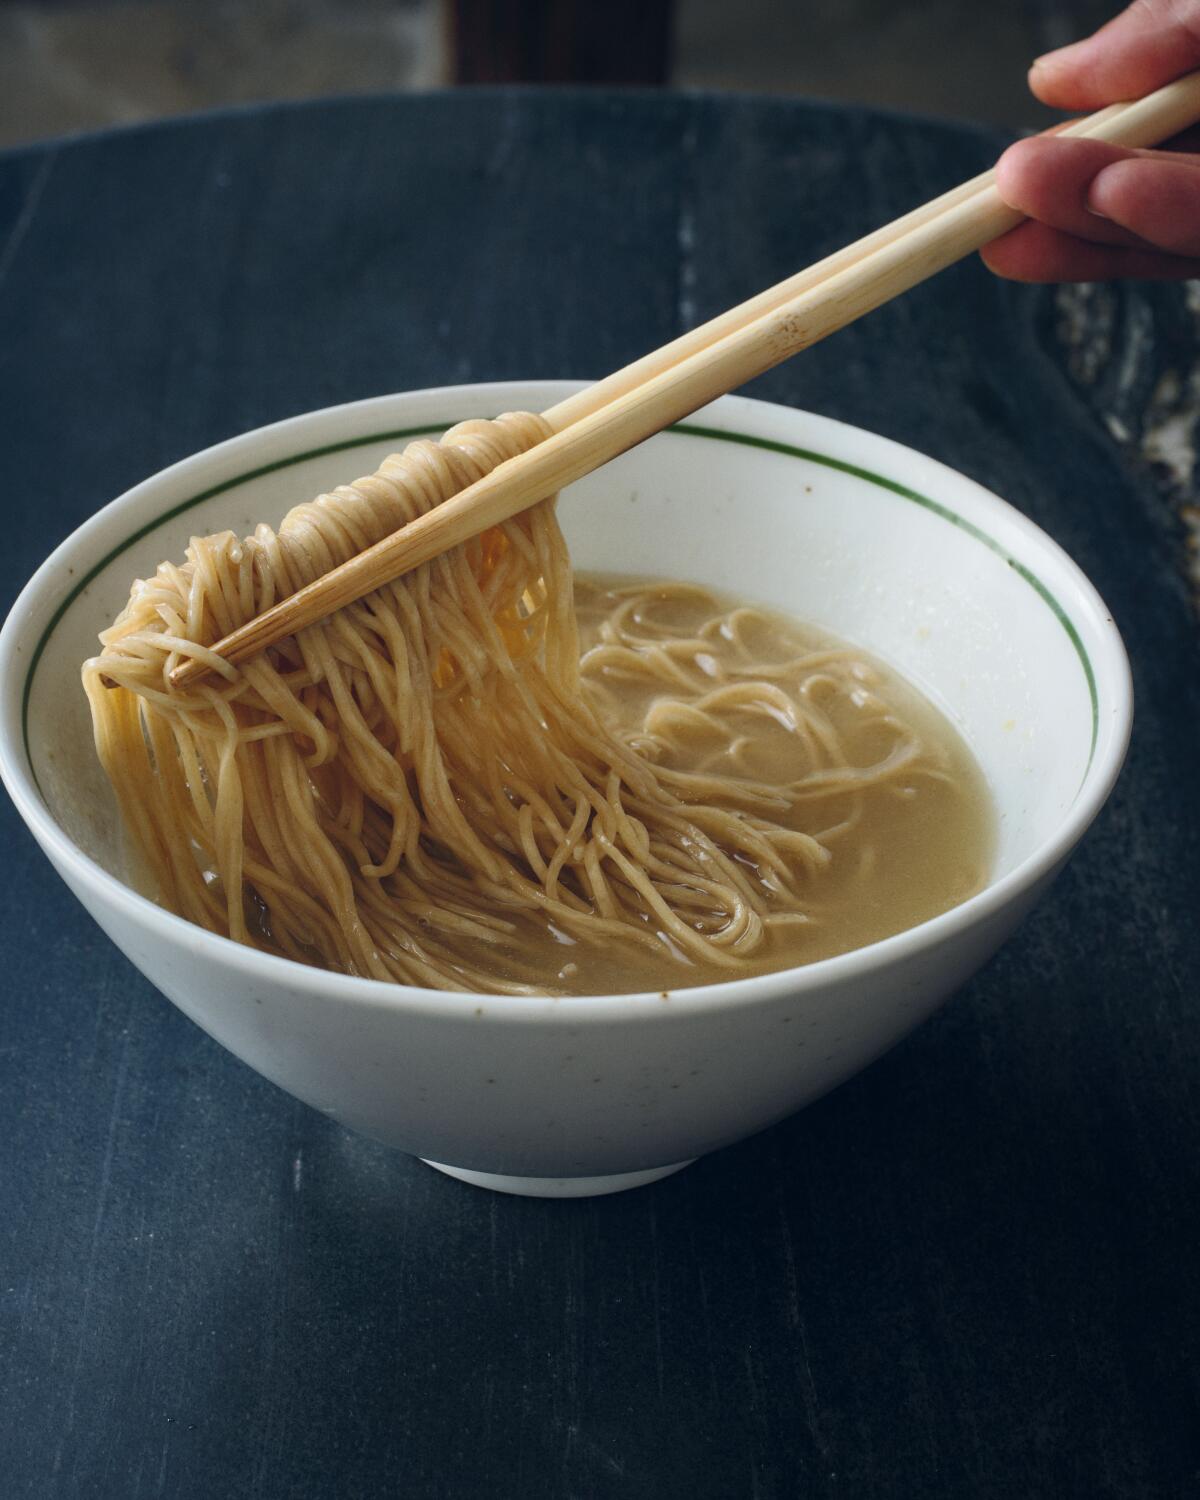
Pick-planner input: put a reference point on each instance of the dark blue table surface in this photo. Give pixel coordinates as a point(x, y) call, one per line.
point(972, 1271)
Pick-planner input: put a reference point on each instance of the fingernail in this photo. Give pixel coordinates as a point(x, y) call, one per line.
point(1095, 192)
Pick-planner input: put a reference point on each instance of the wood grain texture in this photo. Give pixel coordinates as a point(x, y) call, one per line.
point(970, 1271)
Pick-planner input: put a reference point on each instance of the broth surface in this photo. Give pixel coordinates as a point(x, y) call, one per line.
point(900, 852)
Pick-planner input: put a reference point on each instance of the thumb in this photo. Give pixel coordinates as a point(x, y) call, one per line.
point(1144, 47)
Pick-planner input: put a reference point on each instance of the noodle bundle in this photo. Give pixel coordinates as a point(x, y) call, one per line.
point(423, 786)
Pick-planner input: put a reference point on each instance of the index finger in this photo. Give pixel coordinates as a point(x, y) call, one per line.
point(1138, 51)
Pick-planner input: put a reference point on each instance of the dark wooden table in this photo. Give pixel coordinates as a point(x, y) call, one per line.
point(972, 1271)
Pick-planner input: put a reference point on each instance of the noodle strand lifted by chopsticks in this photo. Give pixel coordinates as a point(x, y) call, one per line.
point(420, 786)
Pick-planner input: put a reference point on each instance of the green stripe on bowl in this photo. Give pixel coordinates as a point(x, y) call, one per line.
point(946, 514)
point(716, 434)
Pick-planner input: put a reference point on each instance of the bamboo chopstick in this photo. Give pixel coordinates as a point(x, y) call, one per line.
point(631, 405)
point(599, 394)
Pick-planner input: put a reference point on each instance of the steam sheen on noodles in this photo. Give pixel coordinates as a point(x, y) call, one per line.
point(425, 788)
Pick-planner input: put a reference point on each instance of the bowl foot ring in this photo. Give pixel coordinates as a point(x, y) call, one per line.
point(559, 1187)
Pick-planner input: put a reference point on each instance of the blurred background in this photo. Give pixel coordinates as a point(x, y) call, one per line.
point(69, 65)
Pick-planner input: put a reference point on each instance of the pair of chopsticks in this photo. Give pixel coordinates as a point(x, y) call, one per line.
point(614, 415)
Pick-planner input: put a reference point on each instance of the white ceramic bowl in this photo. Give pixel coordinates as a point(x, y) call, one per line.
point(883, 546)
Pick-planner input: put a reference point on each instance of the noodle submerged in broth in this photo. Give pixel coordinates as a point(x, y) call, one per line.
point(490, 776)
point(746, 708)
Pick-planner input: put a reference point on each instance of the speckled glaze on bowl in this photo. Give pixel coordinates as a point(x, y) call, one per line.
point(563, 1097)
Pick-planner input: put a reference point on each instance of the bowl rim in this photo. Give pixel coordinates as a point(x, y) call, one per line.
point(46, 595)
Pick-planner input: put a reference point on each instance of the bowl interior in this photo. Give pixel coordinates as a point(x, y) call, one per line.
point(880, 545)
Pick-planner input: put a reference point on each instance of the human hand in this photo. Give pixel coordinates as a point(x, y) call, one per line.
point(1099, 212)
